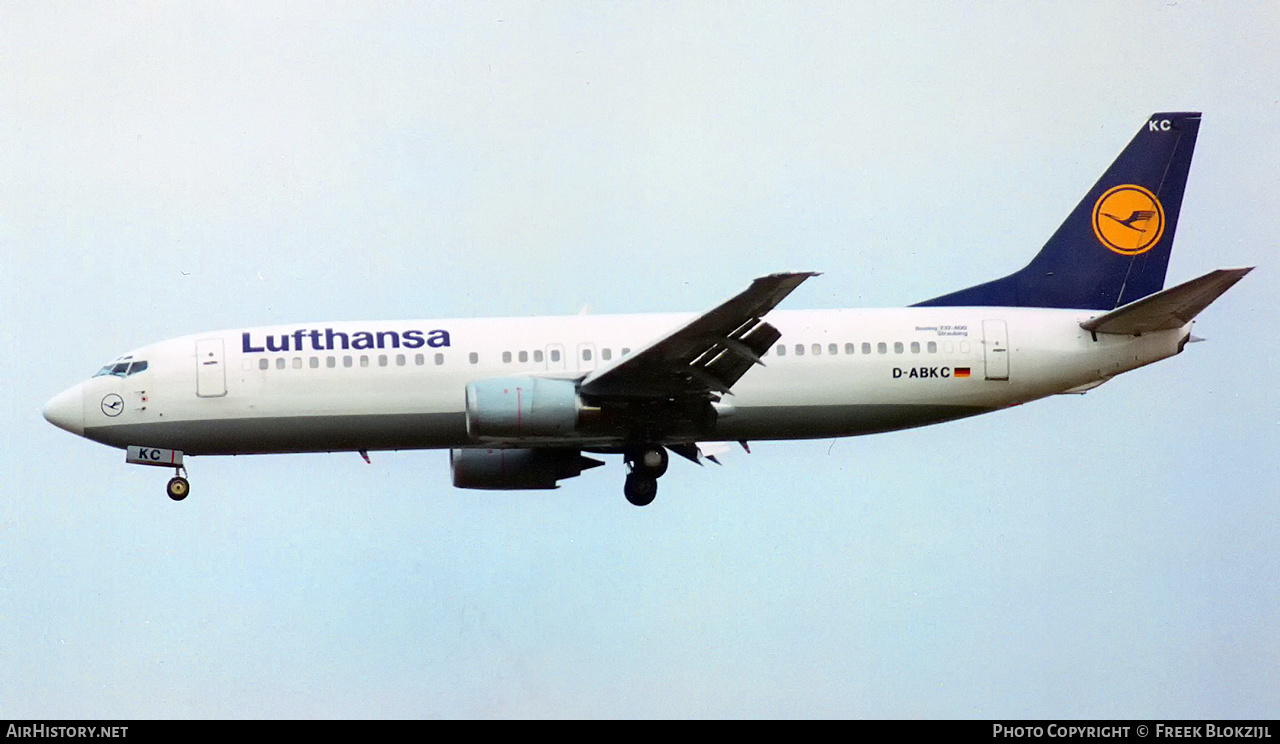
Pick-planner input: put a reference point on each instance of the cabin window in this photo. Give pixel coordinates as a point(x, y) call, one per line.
point(364, 360)
point(817, 349)
point(850, 348)
point(473, 357)
point(915, 347)
point(382, 360)
point(625, 351)
point(932, 347)
point(866, 348)
point(606, 354)
point(330, 362)
point(799, 349)
point(782, 350)
point(419, 359)
point(537, 355)
point(399, 360)
point(833, 349)
point(263, 364)
point(346, 361)
point(897, 347)
point(586, 355)
point(439, 359)
point(314, 362)
point(523, 357)
point(555, 355)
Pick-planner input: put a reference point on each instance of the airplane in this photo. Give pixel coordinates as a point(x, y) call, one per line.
point(521, 403)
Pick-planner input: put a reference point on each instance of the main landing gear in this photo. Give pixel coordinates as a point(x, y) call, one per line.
point(644, 466)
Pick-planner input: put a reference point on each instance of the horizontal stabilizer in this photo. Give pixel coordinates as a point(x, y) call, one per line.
point(1169, 309)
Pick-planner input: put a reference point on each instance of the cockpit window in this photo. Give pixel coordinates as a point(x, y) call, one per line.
point(119, 367)
point(122, 367)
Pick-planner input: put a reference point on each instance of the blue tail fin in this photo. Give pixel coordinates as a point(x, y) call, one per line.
point(1114, 246)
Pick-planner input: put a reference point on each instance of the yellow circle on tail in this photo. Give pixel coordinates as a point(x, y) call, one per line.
point(1128, 219)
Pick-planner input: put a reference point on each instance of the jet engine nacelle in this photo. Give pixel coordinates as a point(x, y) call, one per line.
point(515, 408)
point(516, 469)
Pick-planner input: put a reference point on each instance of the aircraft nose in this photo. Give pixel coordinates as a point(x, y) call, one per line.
point(66, 410)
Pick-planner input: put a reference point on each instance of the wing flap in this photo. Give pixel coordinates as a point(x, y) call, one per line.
point(734, 356)
point(1168, 309)
point(707, 355)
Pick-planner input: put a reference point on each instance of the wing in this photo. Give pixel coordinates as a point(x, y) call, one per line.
point(706, 356)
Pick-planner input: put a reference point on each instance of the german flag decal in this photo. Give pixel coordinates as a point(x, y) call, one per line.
point(961, 372)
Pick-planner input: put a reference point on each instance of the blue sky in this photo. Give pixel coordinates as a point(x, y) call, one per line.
point(173, 168)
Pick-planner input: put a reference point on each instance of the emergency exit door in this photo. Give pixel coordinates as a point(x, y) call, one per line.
point(995, 347)
point(211, 372)
point(555, 357)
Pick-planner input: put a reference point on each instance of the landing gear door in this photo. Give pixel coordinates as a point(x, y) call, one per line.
point(211, 368)
point(995, 345)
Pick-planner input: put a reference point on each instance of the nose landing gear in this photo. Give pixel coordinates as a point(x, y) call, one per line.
point(178, 487)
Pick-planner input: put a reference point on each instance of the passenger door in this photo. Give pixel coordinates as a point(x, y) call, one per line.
point(995, 349)
point(211, 373)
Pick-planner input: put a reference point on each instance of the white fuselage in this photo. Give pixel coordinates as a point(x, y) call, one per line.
point(400, 385)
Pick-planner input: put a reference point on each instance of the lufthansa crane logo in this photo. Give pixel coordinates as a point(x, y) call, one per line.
point(1128, 220)
point(112, 405)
